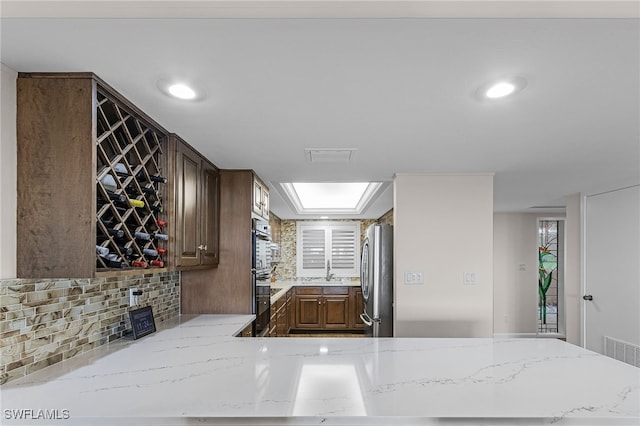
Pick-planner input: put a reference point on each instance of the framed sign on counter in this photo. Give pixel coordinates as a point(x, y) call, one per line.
point(142, 322)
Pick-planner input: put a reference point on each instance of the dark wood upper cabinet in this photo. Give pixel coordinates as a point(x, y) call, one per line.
point(197, 207)
point(97, 175)
point(211, 214)
point(229, 287)
point(85, 158)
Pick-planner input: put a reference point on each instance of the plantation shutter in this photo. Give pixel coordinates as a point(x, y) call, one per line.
point(313, 249)
point(335, 242)
point(343, 250)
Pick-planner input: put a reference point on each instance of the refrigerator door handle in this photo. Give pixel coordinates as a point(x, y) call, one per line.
point(364, 270)
point(366, 319)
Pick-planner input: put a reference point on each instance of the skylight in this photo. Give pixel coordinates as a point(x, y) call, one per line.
point(330, 197)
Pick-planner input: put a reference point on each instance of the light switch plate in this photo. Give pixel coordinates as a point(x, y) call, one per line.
point(414, 277)
point(469, 278)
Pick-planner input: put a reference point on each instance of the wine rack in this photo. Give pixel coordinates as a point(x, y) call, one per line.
point(131, 227)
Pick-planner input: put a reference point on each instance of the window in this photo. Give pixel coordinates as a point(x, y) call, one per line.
point(550, 276)
point(325, 248)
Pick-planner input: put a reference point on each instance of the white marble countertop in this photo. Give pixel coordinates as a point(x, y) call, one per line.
point(195, 372)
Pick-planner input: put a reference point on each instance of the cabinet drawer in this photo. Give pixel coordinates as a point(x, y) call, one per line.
point(335, 290)
point(309, 290)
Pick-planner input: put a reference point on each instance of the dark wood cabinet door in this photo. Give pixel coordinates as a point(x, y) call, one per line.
point(197, 209)
point(188, 205)
point(210, 215)
point(336, 312)
point(357, 308)
point(308, 311)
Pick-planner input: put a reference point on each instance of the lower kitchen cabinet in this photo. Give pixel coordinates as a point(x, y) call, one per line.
point(356, 304)
point(322, 308)
point(279, 322)
point(317, 308)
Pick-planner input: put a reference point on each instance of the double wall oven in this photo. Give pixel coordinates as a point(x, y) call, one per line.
point(261, 274)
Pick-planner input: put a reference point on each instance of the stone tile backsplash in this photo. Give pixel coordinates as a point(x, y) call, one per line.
point(43, 322)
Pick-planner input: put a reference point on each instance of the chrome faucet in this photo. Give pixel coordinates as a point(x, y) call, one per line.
point(329, 274)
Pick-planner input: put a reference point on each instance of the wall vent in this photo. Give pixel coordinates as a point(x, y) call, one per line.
point(622, 351)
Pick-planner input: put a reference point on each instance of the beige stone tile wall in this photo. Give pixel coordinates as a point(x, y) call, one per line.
point(43, 322)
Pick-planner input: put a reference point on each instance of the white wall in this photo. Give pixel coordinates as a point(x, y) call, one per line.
point(573, 268)
point(8, 172)
point(443, 228)
point(515, 281)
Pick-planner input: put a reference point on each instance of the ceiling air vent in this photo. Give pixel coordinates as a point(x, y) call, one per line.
point(329, 155)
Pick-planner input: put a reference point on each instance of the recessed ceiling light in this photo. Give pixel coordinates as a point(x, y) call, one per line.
point(184, 89)
point(181, 91)
point(501, 88)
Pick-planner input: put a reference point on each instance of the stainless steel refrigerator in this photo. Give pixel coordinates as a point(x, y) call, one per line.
point(376, 279)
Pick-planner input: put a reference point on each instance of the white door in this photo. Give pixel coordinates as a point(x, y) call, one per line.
point(612, 268)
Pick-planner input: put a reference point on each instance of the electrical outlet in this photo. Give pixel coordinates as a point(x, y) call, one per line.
point(134, 294)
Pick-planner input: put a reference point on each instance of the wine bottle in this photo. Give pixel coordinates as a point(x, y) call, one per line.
point(156, 208)
point(150, 252)
point(136, 203)
point(139, 263)
point(159, 179)
point(142, 236)
point(156, 263)
point(116, 264)
point(127, 251)
point(131, 190)
point(112, 261)
point(149, 190)
point(161, 251)
point(117, 233)
point(116, 204)
point(102, 251)
point(161, 223)
point(163, 237)
point(116, 197)
point(120, 169)
point(153, 178)
point(109, 182)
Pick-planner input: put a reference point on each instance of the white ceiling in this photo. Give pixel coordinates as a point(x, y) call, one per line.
point(400, 90)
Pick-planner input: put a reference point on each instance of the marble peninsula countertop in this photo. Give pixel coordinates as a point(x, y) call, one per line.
point(194, 371)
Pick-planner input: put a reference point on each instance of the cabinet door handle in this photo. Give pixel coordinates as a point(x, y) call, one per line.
point(202, 247)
